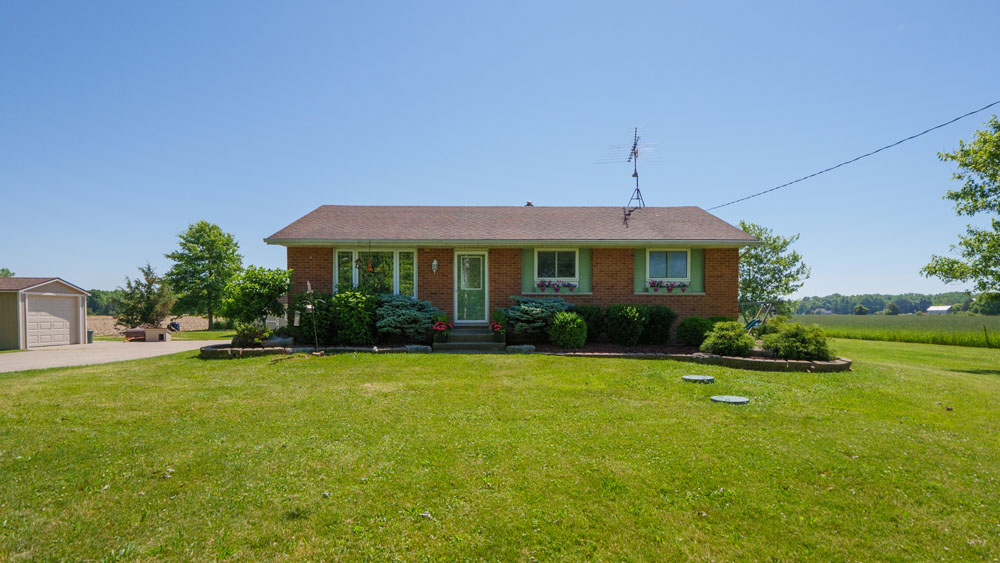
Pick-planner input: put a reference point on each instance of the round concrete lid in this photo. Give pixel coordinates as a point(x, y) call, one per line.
point(699, 378)
point(731, 399)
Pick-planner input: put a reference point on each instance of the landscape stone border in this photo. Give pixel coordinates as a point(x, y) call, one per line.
point(751, 363)
point(227, 351)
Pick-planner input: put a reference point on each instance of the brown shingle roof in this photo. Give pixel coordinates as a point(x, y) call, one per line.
point(17, 284)
point(348, 223)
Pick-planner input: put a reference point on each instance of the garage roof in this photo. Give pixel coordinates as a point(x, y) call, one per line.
point(20, 284)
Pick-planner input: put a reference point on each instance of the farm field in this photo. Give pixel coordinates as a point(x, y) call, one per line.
point(502, 457)
point(950, 330)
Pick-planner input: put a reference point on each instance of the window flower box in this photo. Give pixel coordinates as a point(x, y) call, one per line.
point(656, 285)
point(556, 285)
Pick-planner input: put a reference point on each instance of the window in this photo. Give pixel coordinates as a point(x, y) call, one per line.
point(668, 265)
point(555, 264)
point(379, 271)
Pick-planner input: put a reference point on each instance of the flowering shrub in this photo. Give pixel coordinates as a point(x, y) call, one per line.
point(556, 285)
point(656, 285)
point(498, 322)
point(441, 325)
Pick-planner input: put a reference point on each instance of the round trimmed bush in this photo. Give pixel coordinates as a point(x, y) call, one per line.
point(568, 330)
point(692, 331)
point(593, 315)
point(796, 341)
point(728, 339)
point(657, 330)
point(625, 323)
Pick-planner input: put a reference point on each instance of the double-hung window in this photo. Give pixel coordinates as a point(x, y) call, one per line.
point(556, 265)
point(379, 271)
point(669, 265)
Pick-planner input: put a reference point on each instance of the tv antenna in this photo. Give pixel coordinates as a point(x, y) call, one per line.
point(635, 202)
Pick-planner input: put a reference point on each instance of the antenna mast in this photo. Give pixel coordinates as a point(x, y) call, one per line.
point(636, 199)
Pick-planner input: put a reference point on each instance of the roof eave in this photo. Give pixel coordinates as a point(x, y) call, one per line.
point(504, 243)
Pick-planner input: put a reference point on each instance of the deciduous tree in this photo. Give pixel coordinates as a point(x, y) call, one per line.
point(207, 260)
point(5, 273)
point(979, 248)
point(772, 270)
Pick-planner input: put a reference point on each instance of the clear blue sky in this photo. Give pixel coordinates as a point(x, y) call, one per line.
point(121, 123)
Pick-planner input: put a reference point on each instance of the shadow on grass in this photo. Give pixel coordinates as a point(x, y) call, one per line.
point(979, 371)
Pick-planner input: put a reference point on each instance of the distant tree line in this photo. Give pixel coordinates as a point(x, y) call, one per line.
point(102, 302)
point(902, 304)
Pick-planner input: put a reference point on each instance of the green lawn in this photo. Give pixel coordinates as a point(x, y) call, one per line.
point(953, 330)
point(215, 334)
point(503, 457)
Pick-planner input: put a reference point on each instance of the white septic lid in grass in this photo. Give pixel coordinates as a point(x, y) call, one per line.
point(731, 399)
point(699, 378)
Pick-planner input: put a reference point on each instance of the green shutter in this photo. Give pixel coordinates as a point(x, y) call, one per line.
point(527, 270)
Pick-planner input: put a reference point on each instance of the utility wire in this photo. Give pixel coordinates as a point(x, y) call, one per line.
point(855, 159)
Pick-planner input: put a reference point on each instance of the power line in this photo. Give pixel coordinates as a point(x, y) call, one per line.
point(855, 159)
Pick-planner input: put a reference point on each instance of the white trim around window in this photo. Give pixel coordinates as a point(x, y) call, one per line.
point(576, 264)
point(686, 251)
point(355, 251)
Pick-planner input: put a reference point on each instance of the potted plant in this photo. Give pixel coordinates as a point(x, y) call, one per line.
point(541, 285)
point(655, 285)
point(441, 328)
point(498, 325)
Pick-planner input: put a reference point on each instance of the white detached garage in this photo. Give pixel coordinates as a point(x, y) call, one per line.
point(37, 312)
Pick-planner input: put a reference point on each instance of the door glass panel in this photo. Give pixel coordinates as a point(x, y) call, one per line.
point(406, 264)
point(472, 272)
point(471, 295)
point(345, 271)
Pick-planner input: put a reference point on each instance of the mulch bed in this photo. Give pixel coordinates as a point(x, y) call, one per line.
point(609, 348)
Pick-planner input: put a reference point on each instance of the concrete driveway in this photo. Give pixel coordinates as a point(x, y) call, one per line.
point(96, 353)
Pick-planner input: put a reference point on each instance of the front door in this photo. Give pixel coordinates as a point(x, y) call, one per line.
point(470, 287)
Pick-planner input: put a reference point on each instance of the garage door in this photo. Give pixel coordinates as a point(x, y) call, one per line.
point(51, 321)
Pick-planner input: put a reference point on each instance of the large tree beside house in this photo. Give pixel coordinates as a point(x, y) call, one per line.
point(470, 261)
point(206, 261)
point(6, 273)
point(770, 271)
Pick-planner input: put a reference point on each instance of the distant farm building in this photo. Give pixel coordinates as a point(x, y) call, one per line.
point(822, 311)
point(939, 309)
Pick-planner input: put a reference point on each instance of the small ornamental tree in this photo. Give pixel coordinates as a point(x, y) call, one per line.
point(207, 260)
point(255, 294)
point(143, 302)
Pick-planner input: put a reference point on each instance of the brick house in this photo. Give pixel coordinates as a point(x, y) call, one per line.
point(469, 261)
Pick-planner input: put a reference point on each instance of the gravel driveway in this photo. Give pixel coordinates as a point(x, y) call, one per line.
point(96, 353)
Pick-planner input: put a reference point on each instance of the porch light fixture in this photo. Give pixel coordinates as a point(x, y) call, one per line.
point(434, 265)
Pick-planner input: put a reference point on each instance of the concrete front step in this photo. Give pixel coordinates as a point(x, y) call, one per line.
point(471, 336)
point(471, 347)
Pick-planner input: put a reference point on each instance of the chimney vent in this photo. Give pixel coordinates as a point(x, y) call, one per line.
point(529, 204)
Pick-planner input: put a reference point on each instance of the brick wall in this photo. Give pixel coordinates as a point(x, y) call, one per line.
point(437, 287)
point(613, 269)
point(313, 264)
point(505, 276)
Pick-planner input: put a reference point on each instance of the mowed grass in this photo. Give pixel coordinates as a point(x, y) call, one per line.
point(503, 457)
point(215, 334)
point(950, 330)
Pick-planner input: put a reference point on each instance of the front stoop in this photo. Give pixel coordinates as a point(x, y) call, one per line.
point(471, 340)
